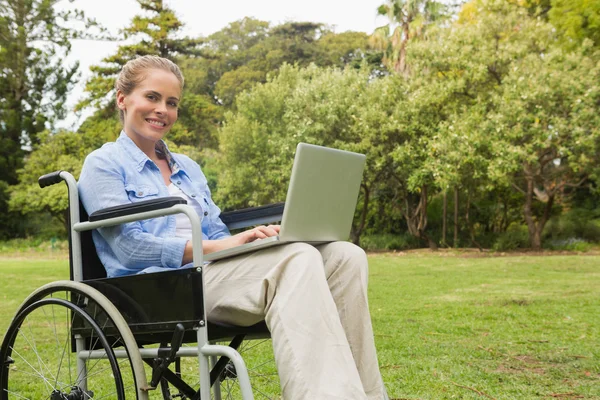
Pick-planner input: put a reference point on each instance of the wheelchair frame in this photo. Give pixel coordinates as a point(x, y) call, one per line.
point(141, 323)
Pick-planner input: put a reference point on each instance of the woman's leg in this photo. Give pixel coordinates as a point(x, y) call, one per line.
point(347, 272)
point(286, 285)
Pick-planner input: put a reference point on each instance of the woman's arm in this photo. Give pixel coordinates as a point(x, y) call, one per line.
point(101, 185)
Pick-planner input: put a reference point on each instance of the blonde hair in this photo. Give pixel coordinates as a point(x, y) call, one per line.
point(133, 73)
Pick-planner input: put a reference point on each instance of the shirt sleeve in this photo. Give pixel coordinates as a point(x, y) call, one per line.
point(102, 185)
point(218, 229)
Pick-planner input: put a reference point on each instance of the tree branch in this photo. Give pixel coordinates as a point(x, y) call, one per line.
point(518, 188)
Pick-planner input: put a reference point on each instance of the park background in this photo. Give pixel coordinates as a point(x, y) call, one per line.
point(481, 127)
point(479, 119)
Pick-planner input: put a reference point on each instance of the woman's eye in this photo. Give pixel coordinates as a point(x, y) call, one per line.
point(151, 97)
point(172, 104)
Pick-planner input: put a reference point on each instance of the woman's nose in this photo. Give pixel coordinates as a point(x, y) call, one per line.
point(161, 108)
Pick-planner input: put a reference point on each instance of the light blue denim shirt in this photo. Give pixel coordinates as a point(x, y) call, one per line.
point(120, 173)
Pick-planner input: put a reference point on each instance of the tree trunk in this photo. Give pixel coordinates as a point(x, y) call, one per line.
point(455, 242)
point(423, 220)
point(356, 232)
point(401, 66)
point(468, 222)
point(416, 219)
point(536, 228)
point(444, 217)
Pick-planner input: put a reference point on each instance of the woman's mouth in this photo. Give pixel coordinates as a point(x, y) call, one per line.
point(156, 123)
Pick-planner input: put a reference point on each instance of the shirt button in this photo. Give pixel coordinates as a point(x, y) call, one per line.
point(140, 193)
point(205, 213)
point(193, 195)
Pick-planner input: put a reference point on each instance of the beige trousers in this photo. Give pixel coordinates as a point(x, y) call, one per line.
point(314, 302)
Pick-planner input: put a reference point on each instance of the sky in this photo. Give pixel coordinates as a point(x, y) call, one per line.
point(201, 18)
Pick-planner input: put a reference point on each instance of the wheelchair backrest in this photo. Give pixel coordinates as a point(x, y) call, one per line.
point(92, 266)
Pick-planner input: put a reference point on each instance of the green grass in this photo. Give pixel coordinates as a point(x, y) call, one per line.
point(455, 327)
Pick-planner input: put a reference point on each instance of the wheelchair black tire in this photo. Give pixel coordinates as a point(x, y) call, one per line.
point(23, 370)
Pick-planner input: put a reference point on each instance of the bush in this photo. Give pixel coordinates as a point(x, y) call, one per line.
point(578, 223)
point(35, 244)
point(572, 244)
point(387, 241)
point(515, 237)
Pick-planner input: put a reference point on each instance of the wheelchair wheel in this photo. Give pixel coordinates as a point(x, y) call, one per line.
point(258, 356)
point(39, 352)
point(39, 362)
point(259, 359)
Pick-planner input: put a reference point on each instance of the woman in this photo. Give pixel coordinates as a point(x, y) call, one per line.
point(313, 299)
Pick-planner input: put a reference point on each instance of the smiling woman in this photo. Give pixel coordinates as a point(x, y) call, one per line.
point(313, 299)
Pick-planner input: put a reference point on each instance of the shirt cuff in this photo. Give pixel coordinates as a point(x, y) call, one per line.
point(172, 252)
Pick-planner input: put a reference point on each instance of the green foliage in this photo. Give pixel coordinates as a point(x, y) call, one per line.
point(10, 223)
point(246, 51)
point(59, 151)
point(578, 223)
point(389, 242)
point(515, 237)
point(576, 20)
point(256, 49)
point(500, 105)
point(34, 80)
point(516, 111)
point(573, 244)
point(38, 244)
point(257, 142)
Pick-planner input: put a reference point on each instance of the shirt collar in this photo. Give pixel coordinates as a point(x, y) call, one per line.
point(163, 151)
point(140, 158)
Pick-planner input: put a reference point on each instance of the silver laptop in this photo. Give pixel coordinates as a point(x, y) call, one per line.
point(320, 201)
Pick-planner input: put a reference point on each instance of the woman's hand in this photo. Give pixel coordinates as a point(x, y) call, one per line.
point(210, 246)
point(259, 232)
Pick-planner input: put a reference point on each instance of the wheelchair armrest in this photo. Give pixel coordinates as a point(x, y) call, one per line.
point(135, 208)
point(253, 216)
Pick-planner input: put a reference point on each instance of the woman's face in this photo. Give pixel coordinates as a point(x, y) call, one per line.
point(150, 110)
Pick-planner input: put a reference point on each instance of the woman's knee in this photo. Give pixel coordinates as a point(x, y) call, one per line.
point(303, 257)
point(347, 257)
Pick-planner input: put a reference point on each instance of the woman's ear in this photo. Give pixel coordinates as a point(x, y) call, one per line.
point(121, 100)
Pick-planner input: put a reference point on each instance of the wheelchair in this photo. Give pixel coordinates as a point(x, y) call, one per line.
point(94, 337)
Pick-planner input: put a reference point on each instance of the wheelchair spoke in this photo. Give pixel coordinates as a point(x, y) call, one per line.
point(246, 347)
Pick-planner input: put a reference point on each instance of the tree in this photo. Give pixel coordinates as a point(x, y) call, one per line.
point(520, 111)
point(34, 82)
point(408, 19)
point(548, 113)
point(246, 51)
point(299, 43)
point(313, 105)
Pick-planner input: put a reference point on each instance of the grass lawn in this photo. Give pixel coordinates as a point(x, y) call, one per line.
point(454, 327)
